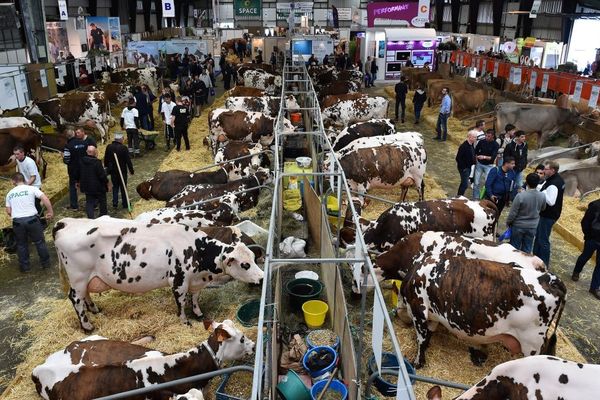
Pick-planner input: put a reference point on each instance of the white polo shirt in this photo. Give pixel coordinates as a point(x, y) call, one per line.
point(28, 168)
point(21, 200)
point(167, 109)
point(129, 117)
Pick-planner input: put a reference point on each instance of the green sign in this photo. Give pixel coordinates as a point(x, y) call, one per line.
point(247, 8)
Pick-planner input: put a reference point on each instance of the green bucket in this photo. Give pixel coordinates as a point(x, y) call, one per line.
point(247, 314)
point(292, 388)
point(302, 290)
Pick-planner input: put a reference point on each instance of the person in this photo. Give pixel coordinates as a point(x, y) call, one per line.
point(165, 112)
point(465, 159)
point(445, 109)
point(553, 188)
point(73, 152)
point(27, 167)
point(97, 39)
point(479, 130)
point(419, 99)
point(208, 83)
point(409, 64)
point(401, 90)
point(149, 111)
point(93, 182)
point(517, 149)
point(539, 171)
point(227, 74)
point(20, 207)
point(141, 105)
point(590, 225)
point(273, 59)
point(374, 69)
point(326, 59)
point(130, 121)
point(118, 149)
point(504, 139)
point(485, 155)
point(87, 140)
point(524, 214)
point(500, 184)
point(368, 73)
point(180, 118)
point(313, 60)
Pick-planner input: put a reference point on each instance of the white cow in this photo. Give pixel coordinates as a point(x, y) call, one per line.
point(109, 253)
point(262, 80)
point(265, 104)
point(347, 112)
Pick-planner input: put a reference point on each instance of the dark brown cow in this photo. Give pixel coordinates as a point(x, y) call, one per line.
point(328, 101)
point(165, 185)
point(338, 87)
point(56, 141)
point(374, 127)
point(18, 131)
point(230, 44)
point(239, 91)
point(424, 77)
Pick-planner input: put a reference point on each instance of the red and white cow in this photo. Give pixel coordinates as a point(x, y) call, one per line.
point(125, 255)
point(262, 80)
point(96, 367)
point(348, 112)
point(373, 127)
point(266, 104)
point(133, 76)
point(254, 154)
point(483, 302)
point(534, 377)
point(77, 108)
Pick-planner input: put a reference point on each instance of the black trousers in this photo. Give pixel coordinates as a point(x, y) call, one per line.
point(27, 228)
point(179, 133)
point(133, 140)
point(93, 199)
point(117, 187)
point(401, 101)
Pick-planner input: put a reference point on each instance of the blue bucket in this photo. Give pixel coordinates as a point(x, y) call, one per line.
point(335, 385)
point(324, 372)
point(388, 360)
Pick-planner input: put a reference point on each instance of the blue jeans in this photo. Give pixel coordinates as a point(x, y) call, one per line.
point(589, 247)
point(464, 180)
point(145, 121)
point(30, 228)
point(481, 173)
point(442, 126)
point(418, 112)
point(522, 239)
point(518, 179)
point(541, 246)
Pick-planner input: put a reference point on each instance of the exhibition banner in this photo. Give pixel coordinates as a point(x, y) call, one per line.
point(144, 53)
point(58, 42)
point(114, 25)
point(97, 33)
point(62, 10)
point(247, 8)
point(394, 13)
point(300, 8)
point(195, 47)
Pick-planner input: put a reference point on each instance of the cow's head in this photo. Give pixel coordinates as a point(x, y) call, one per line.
point(144, 189)
point(264, 176)
point(239, 263)
point(233, 344)
point(106, 77)
point(31, 109)
point(256, 159)
point(593, 149)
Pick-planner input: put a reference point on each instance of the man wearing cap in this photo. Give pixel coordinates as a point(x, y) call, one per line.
point(119, 150)
point(130, 121)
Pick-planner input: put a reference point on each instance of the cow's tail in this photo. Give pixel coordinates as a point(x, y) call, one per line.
point(558, 288)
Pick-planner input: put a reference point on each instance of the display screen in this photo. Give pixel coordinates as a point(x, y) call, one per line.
point(395, 67)
point(420, 57)
point(402, 55)
point(302, 47)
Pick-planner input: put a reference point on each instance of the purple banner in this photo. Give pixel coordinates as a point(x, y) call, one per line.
point(412, 45)
point(398, 12)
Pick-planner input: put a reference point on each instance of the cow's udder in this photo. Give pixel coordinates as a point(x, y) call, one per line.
point(97, 285)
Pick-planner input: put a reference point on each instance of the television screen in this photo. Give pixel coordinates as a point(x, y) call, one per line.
point(302, 46)
point(393, 67)
point(402, 55)
point(420, 57)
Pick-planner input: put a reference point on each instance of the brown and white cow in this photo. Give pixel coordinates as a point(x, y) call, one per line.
point(224, 215)
point(18, 131)
point(242, 68)
point(95, 366)
point(262, 80)
point(111, 253)
point(254, 153)
point(116, 93)
point(266, 104)
point(483, 302)
point(246, 126)
point(533, 377)
point(76, 108)
point(385, 161)
point(346, 112)
point(133, 76)
point(373, 127)
point(328, 101)
point(245, 91)
point(165, 185)
point(459, 215)
point(337, 88)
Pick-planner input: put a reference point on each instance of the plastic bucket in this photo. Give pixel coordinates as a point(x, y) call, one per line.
point(315, 312)
point(395, 292)
point(292, 387)
point(247, 314)
point(310, 344)
point(335, 385)
point(322, 373)
point(302, 290)
point(388, 360)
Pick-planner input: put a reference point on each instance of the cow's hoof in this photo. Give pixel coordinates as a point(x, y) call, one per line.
point(95, 310)
point(199, 317)
point(88, 329)
point(418, 365)
point(478, 357)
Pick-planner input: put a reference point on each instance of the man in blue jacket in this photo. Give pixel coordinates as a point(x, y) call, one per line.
point(445, 109)
point(500, 183)
point(485, 155)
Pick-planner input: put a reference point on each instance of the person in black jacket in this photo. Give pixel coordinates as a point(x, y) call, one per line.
point(180, 118)
point(401, 90)
point(120, 150)
point(418, 101)
point(73, 152)
point(590, 225)
point(518, 150)
point(465, 159)
point(93, 182)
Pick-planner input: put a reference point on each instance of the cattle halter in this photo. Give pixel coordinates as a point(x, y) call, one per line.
point(212, 353)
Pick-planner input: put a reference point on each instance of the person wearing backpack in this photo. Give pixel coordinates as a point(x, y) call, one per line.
point(590, 225)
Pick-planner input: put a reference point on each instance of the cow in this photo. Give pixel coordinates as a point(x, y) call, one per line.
point(553, 378)
point(253, 153)
point(328, 101)
point(423, 78)
point(18, 131)
point(245, 91)
point(580, 181)
point(373, 127)
point(224, 215)
point(352, 76)
point(347, 112)
point(165, 185)
point(246, 126)
point(385, 161)
point(193, 394)
point(242, 68)
point(133, 76)
point(544, 119)
point(76, 108)
point(267, 104)
point(262, 80)
point(231, 43)
point(469, 100)
point(567, 164)
point(458, 215)
point(110, 253)
point(336, 88)
point(96, 366)
point(245, 192)
point(496, 303)
point(116, 93)
point(434, 89)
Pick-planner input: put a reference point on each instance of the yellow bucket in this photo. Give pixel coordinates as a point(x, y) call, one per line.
point(395, 292)
point(315, 312)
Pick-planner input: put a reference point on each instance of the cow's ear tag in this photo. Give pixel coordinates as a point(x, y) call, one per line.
point(222, 334)
point(208, 324)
